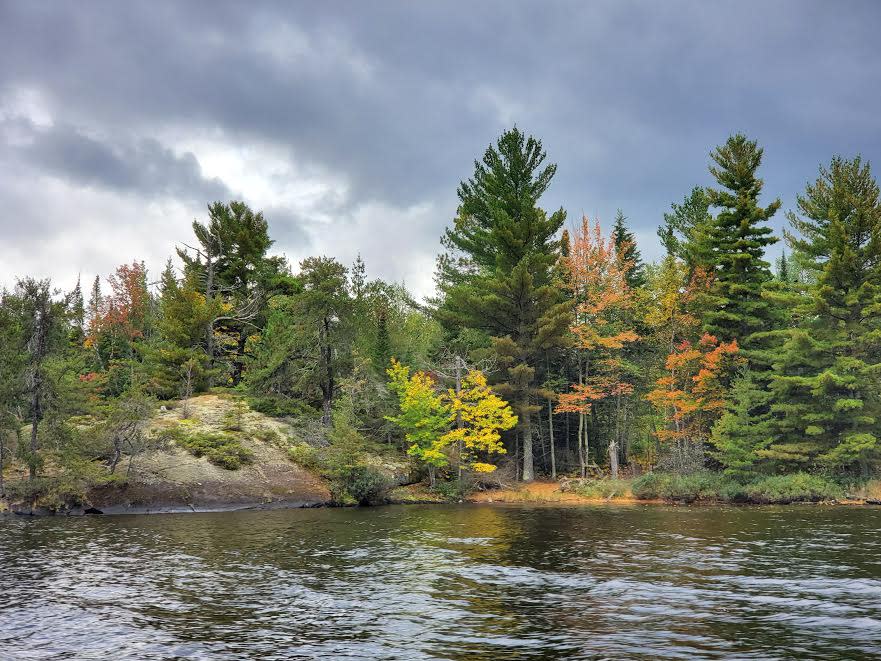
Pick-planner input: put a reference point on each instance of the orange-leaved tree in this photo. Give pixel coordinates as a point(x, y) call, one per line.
point(596, 274)
point(692, 396)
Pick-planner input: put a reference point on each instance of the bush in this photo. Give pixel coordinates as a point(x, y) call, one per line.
point(602, 488)
point(281, 407)
point(794, 488)
point(221, 449)
point(689, 488)
point(448, 489)
point(366, 484)
point(305, 455)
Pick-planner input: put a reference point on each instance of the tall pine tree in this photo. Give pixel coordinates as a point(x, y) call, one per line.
point(497, 275)
point(738, 240)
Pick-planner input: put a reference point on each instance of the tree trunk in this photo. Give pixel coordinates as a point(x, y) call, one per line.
point(238, 363)
point(581, 465)
point(551, 434)
point(613, 459)
point(37, 413)
point(329, 385)
point(528, 466)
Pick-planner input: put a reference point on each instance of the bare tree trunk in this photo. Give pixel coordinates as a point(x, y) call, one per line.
point(517, 456)
point(329, 384)
point(613, 459)
point(551, 434)
point(528, 469)
point(37, 412)
point(581, 466)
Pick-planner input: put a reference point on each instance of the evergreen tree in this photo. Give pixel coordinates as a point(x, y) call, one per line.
point(232, 265)
point(828, 386)
point(497, 274)
point(746, 427)
point(687, 228)
point(306, 348)
point(738, 239)
point(625, 246)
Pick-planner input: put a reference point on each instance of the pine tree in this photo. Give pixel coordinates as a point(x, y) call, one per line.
point(686, 231)
point(497, 275)
point(745, 430)
point(827, 389)
point(625, 246)
point(738, 239)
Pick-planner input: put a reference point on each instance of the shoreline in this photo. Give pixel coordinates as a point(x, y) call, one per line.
point(539, 494)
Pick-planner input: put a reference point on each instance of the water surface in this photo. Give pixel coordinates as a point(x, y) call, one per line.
point(445, 582)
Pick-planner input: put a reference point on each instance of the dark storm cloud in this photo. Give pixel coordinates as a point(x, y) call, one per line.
point(398, 98)
point(145, 168)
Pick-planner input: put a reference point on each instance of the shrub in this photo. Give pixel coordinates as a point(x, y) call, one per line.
point(448, 489)
point(602, 488)
point(305, 455)
point(702, 485)
point(797, 487)
point(269, 436)
point(281, 407)
point(234, 418)
point(221, 449)
point(366, 484)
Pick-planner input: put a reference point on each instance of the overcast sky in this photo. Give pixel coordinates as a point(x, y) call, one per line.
point(350, 124)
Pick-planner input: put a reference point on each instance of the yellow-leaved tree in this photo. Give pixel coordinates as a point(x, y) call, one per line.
point(433, 421)
point(480, 416)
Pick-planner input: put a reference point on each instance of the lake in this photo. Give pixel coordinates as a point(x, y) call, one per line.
point(445, 582)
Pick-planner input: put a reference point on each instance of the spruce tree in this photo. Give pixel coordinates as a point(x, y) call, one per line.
point(497, 275)
point(625, 246)
point(738, 240)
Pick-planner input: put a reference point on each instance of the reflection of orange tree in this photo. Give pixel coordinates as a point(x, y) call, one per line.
point(427, 416)
point(692, 395)
point(596, 274)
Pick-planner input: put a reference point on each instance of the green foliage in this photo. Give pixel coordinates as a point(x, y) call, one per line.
point(625, 247)
point(738, 240)
point(280, 407)
point(497, 274)
point(793, 488)
point(686, 231)
point(306, 348)
point(827, 391)
point(670, 486)
point(220, 448)
point(607, 489)
point(305, 455)
point(745, 429)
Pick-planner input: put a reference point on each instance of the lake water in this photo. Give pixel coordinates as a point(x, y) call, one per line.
point(454, 582)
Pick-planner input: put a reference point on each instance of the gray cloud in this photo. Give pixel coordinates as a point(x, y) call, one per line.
point(145, 168)
point(396, 99)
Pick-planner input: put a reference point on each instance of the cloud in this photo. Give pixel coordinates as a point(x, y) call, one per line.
point(350, 124)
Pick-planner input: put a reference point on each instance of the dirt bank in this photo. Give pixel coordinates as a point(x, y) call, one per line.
point(173, 480)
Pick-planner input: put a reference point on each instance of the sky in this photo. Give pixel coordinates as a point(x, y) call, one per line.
point(350, 124)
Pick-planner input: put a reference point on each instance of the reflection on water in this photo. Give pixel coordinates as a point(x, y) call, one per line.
point(466, 582)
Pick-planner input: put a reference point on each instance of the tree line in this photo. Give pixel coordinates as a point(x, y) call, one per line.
point(549, 347)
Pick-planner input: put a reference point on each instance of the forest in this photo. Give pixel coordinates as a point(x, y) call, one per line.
point(550, 348)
